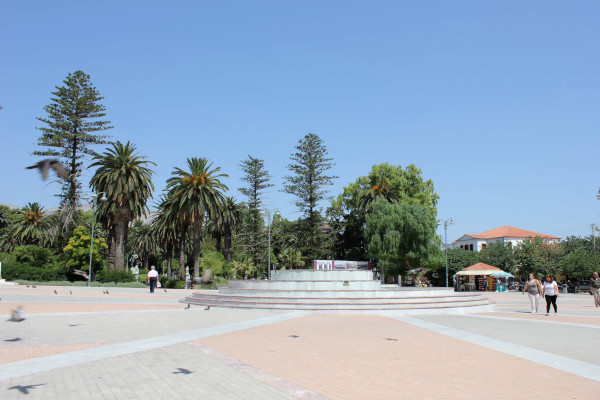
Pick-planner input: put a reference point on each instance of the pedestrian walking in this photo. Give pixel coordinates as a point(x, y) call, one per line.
point(533, 287)
point(152, 278)
point(550, 293)
point(594, 287)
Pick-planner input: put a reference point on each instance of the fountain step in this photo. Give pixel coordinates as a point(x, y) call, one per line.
point(350, 293)
point(346, 306)
point(305, 285)
point(331, 299)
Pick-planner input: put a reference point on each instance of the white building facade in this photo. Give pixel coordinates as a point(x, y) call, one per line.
point(503, 234)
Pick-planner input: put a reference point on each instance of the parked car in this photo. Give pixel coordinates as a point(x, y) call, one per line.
point(582, 286)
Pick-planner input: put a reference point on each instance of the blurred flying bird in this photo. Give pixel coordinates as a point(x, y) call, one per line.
point(17, 339)
point(47, 163)
point(17, 315)
point(207, 308)
point(188, 307)
point(81, 273)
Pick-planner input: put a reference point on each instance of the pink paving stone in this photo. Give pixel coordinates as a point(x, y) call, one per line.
point(352, 357)
point(17, 353)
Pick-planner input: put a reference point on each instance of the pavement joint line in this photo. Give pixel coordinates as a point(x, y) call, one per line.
point(47, 363)
point(555, 361)
point(535, 320)
point(66, 314)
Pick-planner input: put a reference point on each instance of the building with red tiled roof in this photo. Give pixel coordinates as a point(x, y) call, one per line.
point(504, 234)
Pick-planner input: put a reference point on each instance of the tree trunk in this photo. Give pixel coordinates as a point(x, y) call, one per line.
point(197, 238)
point(227, 241)
point(182, 255)
point(121, 222)
point(112, 246)
point(218, 236)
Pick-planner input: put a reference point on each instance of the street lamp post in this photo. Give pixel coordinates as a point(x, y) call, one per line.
point(94, 206)
point(268, 214)
point(446, 222)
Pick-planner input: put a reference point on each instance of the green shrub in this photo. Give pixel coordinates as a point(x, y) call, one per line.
point(33, 256)
point(171, 283)
point(16, 271)
point(106, 275)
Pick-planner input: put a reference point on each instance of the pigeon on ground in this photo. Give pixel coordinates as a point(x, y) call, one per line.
point(55, 292)
point(45, 165)
point(165, 290)
point(207, 308)
point(27, 285)
point(107, 292)
point(33, 286)
point(104, 292)
point(70, 291)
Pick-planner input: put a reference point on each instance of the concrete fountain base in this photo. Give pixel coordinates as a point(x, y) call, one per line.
point(339, 292)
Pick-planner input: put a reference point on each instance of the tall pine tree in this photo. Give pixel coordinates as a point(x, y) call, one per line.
point(257, 179)
point(71, 127)
point(308, 183)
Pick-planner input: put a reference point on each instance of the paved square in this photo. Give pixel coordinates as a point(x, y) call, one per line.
point(129, 344)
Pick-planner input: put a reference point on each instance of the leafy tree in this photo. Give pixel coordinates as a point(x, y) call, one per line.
point(308, 182)
point(581, 263)
point(402, 236)
point(257, 179)
point(458, 259)
point(72, 126)
point(499, 255)
point(214, 261)
point(126, 180)
point(388, 182)
point(78, 251)
point(195, 194)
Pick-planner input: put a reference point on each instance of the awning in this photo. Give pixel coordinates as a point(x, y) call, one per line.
point(478, 272)
point(502, 275)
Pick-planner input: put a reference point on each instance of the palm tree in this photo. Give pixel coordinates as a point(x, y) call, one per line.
point(31, 228)
point(227, 221)
point(125, 178)
point(170, 232)
point(291, 258)
point(379, 188)
point(196, 193)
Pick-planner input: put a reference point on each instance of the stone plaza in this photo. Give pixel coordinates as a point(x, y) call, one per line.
point(81, 343)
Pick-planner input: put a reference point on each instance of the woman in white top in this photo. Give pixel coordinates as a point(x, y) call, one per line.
point(550, 292)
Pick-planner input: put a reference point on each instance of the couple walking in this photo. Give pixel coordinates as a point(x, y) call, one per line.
point(548, 289)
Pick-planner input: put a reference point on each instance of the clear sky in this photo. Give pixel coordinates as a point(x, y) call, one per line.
point(496, 102)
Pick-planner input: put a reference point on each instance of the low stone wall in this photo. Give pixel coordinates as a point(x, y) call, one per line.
point(314, 275)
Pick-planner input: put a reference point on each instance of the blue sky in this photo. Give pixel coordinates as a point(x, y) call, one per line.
point(496, 102)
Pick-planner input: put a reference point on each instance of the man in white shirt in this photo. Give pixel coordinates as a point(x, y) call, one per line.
point(152, 278)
